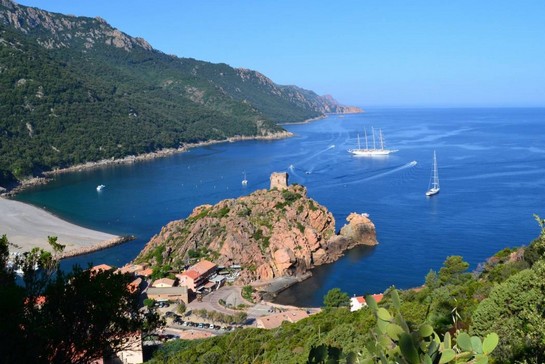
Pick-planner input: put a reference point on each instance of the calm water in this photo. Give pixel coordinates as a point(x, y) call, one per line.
point(491, 166)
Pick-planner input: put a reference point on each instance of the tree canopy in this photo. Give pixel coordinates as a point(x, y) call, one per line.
point(336, 298)
point(55, 317)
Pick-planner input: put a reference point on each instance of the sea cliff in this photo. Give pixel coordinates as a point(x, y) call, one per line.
point(269, 233)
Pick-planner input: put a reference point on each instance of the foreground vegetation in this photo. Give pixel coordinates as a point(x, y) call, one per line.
point(504, 300)
point(52, 317)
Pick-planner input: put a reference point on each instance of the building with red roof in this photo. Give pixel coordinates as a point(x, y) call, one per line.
point(275, 320)
point(100, 267)
point(197, 275)
point(357, 302)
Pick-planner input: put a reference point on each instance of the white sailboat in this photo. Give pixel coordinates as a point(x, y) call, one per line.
point(244, 181)
point(372, 151)
point(433, 187)
point(100, 187)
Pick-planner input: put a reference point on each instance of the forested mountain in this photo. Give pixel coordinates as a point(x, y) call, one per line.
point(74, 89)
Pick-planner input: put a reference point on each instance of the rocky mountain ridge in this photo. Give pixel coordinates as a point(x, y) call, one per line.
point(75, 90)
point(269, 233)
point(64, 31)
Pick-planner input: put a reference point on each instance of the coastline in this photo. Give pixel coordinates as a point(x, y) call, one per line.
point(80, 240)
point(48, 175)
point(28, 227)
point(307, 120)
point(322, 117)
point(271, 288)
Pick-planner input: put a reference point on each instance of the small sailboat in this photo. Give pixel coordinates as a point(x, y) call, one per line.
point(100, 187)
point(433, 187)
point(244, 181)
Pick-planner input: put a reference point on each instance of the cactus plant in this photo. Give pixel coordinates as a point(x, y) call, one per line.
point(393, 341)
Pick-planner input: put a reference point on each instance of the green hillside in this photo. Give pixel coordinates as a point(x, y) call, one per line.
point(506, 296)
point(74, 89)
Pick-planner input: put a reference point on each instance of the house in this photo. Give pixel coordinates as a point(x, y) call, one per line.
point(135, 285)
point(197, 275)
point(358, 302)
point(188, 279)
point(275, 320)
point(195, 335)
point(178, 293)
point(100, 267)
point(132, 268)
point(132, 352)
point(163, 283)
point(144, 272)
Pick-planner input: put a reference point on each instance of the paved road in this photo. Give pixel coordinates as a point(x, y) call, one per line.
point(230, 294)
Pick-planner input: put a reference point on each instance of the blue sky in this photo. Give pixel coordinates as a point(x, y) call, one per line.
point(366, 53)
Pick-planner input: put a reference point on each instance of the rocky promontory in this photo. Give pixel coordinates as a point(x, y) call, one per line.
point(269, 234)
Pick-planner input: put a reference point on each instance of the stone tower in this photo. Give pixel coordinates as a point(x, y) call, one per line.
point(279, 180)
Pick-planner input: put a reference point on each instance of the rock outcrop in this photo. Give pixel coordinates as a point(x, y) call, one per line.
point(64, 31)
point(269, 233)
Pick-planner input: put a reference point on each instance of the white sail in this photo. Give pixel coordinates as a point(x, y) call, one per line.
point(433, 187)
point(370, 152)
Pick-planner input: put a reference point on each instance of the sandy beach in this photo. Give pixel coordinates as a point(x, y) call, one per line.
point(27, 227)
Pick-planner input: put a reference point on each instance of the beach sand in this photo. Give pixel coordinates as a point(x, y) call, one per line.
point(27, 227)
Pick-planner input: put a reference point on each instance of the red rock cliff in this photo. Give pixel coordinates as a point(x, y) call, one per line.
point(270, 233)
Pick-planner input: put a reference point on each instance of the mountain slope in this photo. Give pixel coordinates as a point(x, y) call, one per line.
point(74, 89)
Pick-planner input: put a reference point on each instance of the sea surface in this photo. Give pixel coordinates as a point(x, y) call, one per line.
point(491, 167)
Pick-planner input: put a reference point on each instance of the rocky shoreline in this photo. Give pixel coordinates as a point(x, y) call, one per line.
point(100, 246)
point(268, 234)
point(270, 289)
point(47, 176)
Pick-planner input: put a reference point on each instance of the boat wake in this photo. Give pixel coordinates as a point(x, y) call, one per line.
point(397, 169)
point(345, 179)
point(293, 169)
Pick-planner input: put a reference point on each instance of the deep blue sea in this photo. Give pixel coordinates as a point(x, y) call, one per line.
point(491, 168)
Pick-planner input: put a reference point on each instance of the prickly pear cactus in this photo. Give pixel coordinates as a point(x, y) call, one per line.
point(394, 342)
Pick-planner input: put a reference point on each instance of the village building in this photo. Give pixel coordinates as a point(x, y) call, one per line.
point(174, 294)
point(275, 320)
point(195, 335)
point(135, 285)
point(132, 352)
point(132, 268)
point(357, 302)
point(100, 267)
point(197, 275)
point(163, 283)
point(146, 272)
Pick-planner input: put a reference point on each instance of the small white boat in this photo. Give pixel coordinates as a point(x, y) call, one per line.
point(244, 181)
point(433, 187)
point(100, 187)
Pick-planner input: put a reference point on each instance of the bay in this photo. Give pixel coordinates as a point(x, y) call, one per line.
point(491, 167)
